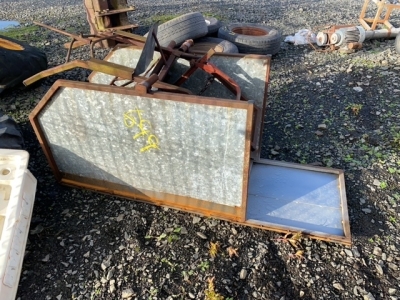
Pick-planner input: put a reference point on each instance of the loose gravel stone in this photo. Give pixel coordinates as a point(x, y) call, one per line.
point(377, 251)
point(273, 152)
point(369, 296)
point(319, 133)
point(127, 293)
point(110, 273)
point(196, 220)
point(46, 258)
point(338, 286)
point(379, 269)
point(392, 291)
point(201, 235)
point(348, 252)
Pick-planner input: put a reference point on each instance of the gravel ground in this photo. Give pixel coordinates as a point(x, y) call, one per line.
point(325, 108)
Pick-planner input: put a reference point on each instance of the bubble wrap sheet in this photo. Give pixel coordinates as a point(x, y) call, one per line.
point(180, 148)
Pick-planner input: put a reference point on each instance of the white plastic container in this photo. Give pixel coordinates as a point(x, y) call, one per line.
point(17, 195)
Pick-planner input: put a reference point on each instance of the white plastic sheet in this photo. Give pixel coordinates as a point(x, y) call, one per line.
point(304, 36)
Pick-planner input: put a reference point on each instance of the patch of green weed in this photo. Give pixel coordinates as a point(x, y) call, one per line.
point(19, 33)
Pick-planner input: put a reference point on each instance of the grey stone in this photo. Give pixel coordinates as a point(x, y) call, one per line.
point(243, 274)
point(319, 133)
point(127, 293)
point(201, 235)
point(369, 296)
point(355, 291)
point(273, 152)
point(46, 258)
point(110, 273)
point(392, 291)
point(356, 252)
point(376, 182)
point(377, 251)
point(379, 269)
point(196, 220)
point(338, 286)
point(348, 252)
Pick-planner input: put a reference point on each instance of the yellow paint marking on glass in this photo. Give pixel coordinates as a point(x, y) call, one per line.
point(152, 143)
point(141, 133)
point(131, 118)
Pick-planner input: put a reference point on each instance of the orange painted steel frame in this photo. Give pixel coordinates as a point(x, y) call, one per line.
point(236, 214)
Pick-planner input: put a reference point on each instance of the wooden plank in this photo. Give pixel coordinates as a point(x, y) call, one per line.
point(114, 11)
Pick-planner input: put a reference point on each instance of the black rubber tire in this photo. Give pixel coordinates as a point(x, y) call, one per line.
point(10, 136)
point(397, 43)
point(18, 61)
point(182, 28)
point(213, 24)
point(206, 43)
point(252, 38)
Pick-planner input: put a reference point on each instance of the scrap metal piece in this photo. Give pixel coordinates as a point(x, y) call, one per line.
point(204, 64)
point(355, 46)
point(186, 45)
point(147, 51)
point(118, 71)
point(92, 64)
point(322, 39)
point(339, 36)
point(349, 38)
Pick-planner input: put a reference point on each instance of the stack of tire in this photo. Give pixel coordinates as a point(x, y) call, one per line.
point(208, 32)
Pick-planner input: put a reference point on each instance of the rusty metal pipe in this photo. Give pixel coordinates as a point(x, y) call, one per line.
point(381, 33)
